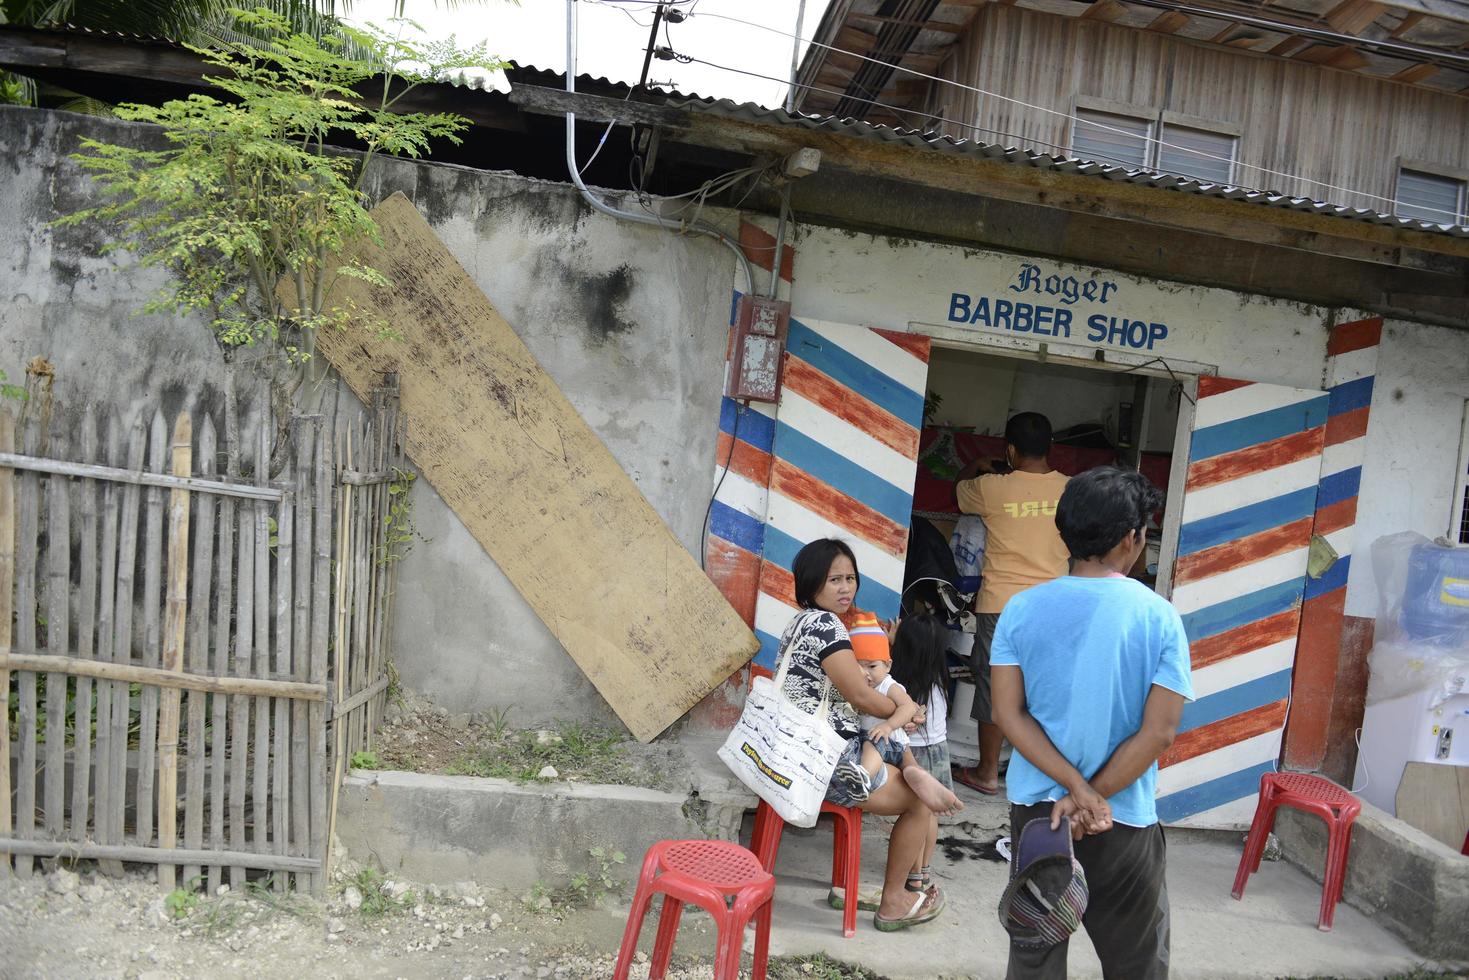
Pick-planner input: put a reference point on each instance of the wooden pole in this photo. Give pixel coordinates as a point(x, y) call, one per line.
point(197, 654)
point(81, 760)
point(158, 677)
point(7, 584)
point(58, 632)
point(176, 615)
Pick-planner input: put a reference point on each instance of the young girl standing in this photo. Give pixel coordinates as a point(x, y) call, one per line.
point(918, 664)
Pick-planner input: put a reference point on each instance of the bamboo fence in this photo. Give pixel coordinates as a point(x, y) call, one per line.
point(194, 653)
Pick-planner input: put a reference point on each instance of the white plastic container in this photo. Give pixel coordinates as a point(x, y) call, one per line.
point(1407, 729)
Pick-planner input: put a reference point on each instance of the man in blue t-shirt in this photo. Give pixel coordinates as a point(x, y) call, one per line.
point(1090, 673)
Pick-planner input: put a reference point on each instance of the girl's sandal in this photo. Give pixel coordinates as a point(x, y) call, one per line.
point(871, 902)
point(920, 882)
point(934, 896)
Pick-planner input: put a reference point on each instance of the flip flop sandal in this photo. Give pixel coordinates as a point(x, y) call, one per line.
point(963, 778)
point(913, 918)
point(871, 902)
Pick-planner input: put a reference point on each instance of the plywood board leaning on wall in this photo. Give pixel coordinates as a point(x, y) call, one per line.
point(535, 486)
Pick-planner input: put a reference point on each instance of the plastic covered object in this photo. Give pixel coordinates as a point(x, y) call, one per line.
point(1422, 635)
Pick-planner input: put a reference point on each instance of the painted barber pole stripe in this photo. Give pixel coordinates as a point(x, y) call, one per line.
point(1351, 368)
point(1248, 510)
point(843, 457)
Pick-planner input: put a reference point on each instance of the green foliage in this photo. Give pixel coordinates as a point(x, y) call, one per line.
point(589, 887)
point(399, 531)
point(817, 966)
point(181, 901)
point(377, 901)
point(580, 751)
point(363, 760)
point(8, 390)
point(16, 89)
point(247, 191)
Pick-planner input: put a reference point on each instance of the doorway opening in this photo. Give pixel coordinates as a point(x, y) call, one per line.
point(1099, 416)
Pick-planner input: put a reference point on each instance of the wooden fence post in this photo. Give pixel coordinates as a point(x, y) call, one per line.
point(7, 584)
point(176, 620)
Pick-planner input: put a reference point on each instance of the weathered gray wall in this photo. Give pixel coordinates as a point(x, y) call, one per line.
point(629, 321)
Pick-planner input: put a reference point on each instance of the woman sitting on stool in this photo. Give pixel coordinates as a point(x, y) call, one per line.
point(826, 583)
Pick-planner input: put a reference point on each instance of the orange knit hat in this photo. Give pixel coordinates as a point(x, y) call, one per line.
point(869, 639)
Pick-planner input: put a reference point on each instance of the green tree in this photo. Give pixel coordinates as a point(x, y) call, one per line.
point(247, 192)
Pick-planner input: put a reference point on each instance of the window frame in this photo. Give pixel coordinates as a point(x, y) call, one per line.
point(1158, 121)
point(1458, 174)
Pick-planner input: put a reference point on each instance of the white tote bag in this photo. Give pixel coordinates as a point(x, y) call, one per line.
point(782, 753)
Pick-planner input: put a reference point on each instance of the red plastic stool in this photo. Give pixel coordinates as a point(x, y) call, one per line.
point(1310, 794)
point(720, 877)
point(846, 852)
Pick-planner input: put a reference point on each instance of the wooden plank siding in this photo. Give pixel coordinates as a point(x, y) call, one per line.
point(1332, 126)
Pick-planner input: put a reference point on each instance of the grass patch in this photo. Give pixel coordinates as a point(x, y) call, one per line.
point(377, 901)
point(818, 966)
point(581, 752)
point(258, 901)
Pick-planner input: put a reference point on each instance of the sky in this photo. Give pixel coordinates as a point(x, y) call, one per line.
point(613, 35)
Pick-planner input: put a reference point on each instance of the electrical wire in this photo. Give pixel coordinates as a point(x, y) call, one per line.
point(1046, 109)
point(734, 437)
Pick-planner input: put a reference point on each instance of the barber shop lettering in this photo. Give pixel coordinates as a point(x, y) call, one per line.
point(1045, 320)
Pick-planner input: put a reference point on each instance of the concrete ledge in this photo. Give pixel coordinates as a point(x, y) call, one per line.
point(444, 829)
point(1405, 879)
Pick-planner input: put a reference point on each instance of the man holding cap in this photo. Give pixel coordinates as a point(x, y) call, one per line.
point(1090, 673)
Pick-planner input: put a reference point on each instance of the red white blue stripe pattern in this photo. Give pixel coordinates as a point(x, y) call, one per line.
point(1351, 365)
point(843, 448)
point(1248, 509)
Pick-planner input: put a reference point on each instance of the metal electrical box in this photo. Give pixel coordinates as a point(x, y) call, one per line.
point(755, 364)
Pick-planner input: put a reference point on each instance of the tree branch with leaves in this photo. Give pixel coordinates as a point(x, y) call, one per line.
point(251, 189)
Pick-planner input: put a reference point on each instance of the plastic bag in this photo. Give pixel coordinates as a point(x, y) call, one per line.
point(1422, 637)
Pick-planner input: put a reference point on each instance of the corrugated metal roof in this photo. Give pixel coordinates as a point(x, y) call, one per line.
point(857, 128)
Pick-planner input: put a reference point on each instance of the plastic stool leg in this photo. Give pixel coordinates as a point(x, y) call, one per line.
point(852, 854)
point(1339, 842)
point(838, 852)
point(641, 899)
point(765, 840)
point(668, 917)
point(1249, 860)
point(762, 939)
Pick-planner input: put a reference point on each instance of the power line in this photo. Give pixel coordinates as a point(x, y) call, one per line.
point(1039, 108)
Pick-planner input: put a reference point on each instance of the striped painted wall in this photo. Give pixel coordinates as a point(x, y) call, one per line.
point(1351, 365)
point(1254, 466)
point(736, 535)
point(841, 449)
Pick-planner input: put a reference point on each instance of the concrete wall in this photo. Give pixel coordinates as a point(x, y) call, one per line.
point(1412, 448)
point(629, 321)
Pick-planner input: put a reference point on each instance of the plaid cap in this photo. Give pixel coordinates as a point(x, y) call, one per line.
point(1047, 894)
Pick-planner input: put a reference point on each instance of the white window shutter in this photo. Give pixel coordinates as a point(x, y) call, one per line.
point(1429, 197)
point(1107, 138)
point(1197, 153)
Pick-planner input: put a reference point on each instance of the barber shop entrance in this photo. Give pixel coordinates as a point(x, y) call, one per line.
point(873, 424)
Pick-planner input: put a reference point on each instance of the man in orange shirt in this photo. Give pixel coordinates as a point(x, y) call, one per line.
point(1018, 505)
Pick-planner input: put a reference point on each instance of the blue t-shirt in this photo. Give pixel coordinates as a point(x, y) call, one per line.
point(1090, 650)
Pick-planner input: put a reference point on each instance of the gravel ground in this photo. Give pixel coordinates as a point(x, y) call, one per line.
point(80, 924)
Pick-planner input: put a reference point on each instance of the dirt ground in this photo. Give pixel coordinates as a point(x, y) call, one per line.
point(81, 924)
point(417, 737)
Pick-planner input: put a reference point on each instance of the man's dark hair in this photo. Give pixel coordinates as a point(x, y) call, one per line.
point(1100, 506)
point(1030, 434)
point(812, 564)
